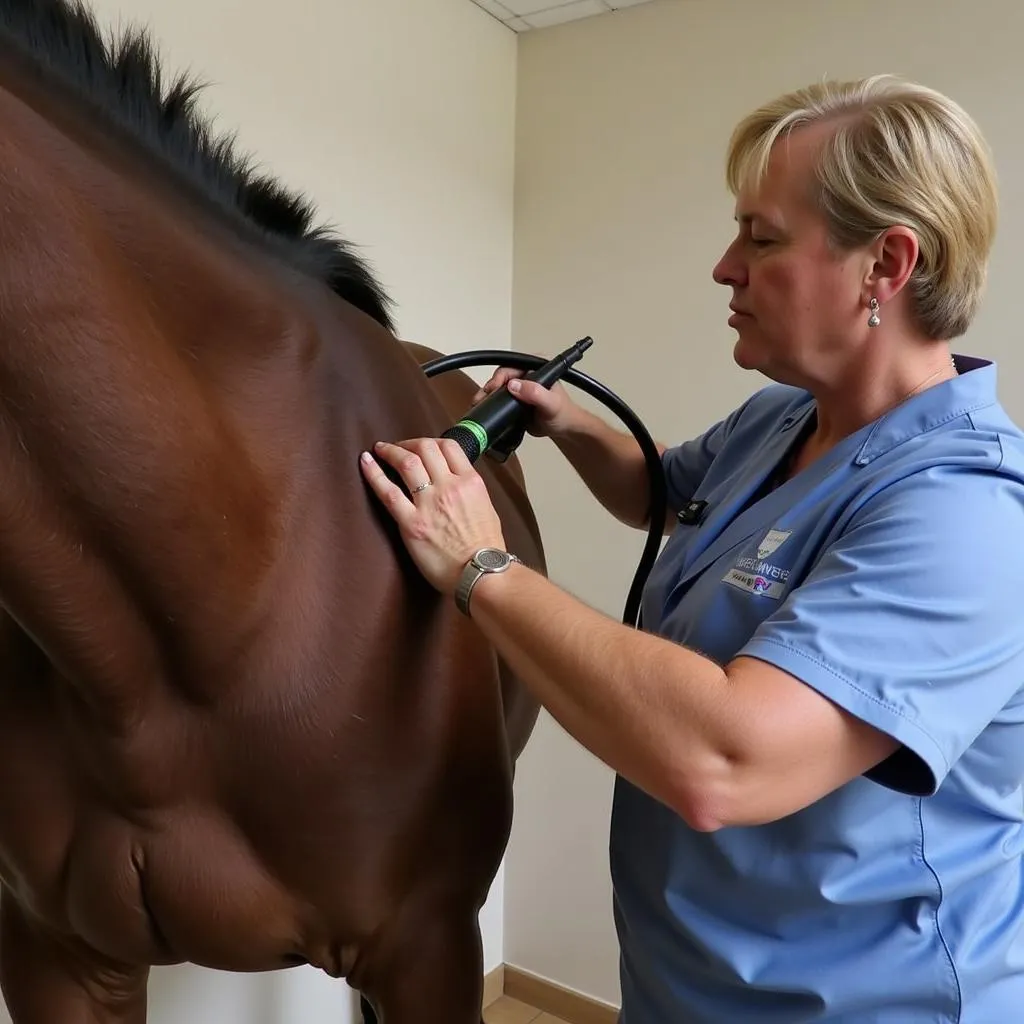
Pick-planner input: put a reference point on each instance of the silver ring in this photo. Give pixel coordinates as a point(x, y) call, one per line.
point(422, 487)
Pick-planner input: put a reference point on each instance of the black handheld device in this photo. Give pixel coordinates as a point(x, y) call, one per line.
point(516, 417)
point(497, 424)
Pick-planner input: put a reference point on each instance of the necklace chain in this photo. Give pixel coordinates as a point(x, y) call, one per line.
point(782, 470)
point(931, 376)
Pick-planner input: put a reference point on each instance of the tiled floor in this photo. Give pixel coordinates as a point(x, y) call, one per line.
point(509, 1011)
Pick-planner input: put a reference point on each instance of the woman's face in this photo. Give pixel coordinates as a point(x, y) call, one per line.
point(799, 305)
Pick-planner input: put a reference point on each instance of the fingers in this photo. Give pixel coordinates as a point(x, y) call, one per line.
point(457, 459)
point(547, 401)
point(431, 459)
point(419, 461)
point(439, 457)
point(528, 391)
point(498, 380)
point(390, 494)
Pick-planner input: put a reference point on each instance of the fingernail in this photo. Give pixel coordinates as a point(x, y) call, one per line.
point(514, 385)
point(366, 457)
point(378, 444)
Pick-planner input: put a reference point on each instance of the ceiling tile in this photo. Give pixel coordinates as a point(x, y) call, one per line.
point(529, 6)
point(494, 7)
point(566, 12)
point(522, 15)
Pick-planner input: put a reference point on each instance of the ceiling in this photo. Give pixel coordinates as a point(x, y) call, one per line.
point(523, 15)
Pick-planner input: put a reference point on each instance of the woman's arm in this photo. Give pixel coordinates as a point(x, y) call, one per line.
point(735, 746)
point(722, 746)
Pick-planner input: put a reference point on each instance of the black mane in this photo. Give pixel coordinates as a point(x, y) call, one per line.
point(122, 80)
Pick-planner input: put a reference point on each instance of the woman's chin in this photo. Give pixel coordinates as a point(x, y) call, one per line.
point(746, 354)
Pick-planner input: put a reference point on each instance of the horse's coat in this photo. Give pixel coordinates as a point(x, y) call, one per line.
point(237, 728)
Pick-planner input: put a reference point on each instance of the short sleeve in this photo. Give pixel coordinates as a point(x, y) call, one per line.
point(687, 464)
point(910, 619)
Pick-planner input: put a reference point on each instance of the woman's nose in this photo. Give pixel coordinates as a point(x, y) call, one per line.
point(729, 270)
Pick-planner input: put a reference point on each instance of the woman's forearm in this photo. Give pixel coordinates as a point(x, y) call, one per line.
point(611, 464)
point(654, 712)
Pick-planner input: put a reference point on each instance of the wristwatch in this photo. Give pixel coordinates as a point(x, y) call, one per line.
point(486, 560)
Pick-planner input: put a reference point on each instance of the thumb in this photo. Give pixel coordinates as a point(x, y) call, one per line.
point(533, 393)
point(498, 379)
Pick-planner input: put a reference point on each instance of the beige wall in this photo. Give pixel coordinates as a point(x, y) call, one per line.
point(397, 116)
point(621, 212)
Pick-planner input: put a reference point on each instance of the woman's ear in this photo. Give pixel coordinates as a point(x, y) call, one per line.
point(895, 253)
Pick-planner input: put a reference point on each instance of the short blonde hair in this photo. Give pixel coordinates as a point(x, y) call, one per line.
point(901, 154)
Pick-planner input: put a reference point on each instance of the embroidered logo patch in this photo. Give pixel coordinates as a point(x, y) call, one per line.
point(757, 575)
point(773, 540)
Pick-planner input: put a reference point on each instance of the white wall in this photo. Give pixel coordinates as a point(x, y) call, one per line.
point(397, 116)
point(621, 212)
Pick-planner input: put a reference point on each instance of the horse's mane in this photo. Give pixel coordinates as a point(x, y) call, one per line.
point(122, 80)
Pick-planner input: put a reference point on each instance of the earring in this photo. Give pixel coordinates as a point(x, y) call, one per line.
point(873, 320)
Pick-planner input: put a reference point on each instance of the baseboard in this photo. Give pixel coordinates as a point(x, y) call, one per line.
point(570, 1006)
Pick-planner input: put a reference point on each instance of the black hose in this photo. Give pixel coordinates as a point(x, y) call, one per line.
point(658, 490)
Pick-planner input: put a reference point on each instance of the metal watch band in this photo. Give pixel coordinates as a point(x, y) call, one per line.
point(471, 575)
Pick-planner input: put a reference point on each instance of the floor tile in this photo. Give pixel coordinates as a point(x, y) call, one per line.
point(510, 1011)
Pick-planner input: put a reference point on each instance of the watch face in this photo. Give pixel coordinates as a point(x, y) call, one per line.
point(491, 558)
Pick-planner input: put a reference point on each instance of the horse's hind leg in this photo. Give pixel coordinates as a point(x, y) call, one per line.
point(436, 977)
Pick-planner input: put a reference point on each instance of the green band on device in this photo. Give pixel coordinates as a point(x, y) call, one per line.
point(477, 431)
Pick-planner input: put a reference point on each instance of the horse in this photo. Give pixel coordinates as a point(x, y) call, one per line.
point(239, 729)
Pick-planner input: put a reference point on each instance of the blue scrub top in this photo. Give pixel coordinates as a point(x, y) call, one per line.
point(887, 576)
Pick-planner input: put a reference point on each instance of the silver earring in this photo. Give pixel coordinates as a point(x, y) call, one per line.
point(873, 320)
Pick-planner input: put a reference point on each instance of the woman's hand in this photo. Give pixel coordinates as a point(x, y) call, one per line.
point(553, 408)
point(449, 516)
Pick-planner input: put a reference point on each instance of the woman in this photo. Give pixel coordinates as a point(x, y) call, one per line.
point(818, 817)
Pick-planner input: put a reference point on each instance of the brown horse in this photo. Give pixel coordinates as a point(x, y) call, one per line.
point(238, 729)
